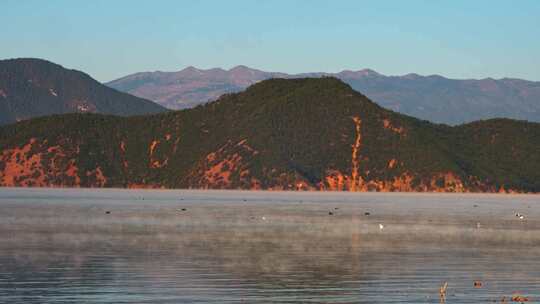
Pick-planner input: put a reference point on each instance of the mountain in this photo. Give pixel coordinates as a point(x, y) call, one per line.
point(291, 134)
point(35, 87)
point(433, 98)
point(190, 86)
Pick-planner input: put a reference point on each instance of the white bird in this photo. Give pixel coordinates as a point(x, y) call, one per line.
point(521, 216)
point(263, 218)
point(381, 226)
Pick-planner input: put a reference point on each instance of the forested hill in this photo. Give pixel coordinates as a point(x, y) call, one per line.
point(34, 87)
point(291, 134)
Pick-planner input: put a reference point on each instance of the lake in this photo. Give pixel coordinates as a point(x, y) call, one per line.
point(187, 246)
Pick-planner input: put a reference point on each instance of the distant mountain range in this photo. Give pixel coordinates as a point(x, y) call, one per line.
point(286, 134)
point(432, 98)
point(33, 87)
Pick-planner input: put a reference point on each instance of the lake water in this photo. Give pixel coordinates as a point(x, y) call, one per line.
point(131, 246)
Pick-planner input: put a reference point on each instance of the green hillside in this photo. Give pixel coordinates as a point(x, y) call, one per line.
point(315, 134)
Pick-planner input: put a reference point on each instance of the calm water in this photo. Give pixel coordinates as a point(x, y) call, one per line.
point(116, 246)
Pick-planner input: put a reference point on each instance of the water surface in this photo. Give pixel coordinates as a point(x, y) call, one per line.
point(119, 246)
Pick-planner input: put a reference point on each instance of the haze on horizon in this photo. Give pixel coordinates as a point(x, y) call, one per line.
point(108, 40)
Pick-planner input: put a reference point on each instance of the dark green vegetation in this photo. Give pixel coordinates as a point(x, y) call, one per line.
point(33, 87)
point(277, 134)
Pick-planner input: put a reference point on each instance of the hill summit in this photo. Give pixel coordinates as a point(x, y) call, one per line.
point(34, 87)
point(286, 134)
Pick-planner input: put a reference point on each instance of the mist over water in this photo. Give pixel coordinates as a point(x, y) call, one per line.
point(119, 246)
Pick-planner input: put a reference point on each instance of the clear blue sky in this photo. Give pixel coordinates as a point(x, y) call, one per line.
point(110, 39)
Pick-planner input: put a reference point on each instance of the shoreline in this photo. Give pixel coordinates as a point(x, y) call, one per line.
point(330, 192)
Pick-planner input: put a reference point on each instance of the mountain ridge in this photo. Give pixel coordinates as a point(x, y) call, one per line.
point(278, 134)
point(431, 97)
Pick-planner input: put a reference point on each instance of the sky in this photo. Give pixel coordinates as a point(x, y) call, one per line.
point(111, 39)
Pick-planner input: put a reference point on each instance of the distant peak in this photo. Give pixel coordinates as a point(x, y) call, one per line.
point(359, 73)
point(411, 76)
point(368, 72)
point(240, 68)
point(436, 76)
point(216, 70)
point(190, 69)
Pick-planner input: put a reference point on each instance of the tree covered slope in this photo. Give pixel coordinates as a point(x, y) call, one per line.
point(291, 134)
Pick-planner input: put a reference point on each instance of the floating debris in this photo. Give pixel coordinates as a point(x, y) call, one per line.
point(367, 213)
point(330, 213)
point(107, 212)
point(477, 284)
point(263, 218)
point(442, 292)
